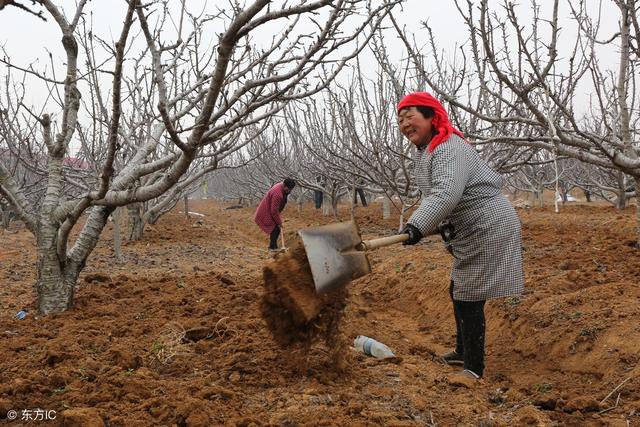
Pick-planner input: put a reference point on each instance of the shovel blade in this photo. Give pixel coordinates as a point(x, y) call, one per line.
point(332, 256)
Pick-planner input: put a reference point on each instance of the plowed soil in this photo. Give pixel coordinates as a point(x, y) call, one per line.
point(178, 332)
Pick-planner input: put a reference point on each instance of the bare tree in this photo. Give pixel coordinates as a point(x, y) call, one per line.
point(198, 109)
point(347, 138)
point(609, 185)
point(22, 6)
point(513, 87)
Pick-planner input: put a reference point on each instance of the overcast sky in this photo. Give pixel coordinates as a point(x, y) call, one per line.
point(27, 39)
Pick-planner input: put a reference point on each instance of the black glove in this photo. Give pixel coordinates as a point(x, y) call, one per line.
point(414, 234)
point(447, 231)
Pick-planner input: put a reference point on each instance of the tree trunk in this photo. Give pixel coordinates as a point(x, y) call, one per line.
point(205, 189)
point(6, 215)
point(386, 208)
point(557, 182)
point(117, 235)
point(57, 276)
point(153, 214)
point(540, 195)
point(621, 199)
point(136, 224)
point(402, 211)
point(325, 205)
point(352, 207)
point(186, 205)
point(621, 194)
point(55, 288)
point(637, 212)
point(334, 206)
point(6, 219)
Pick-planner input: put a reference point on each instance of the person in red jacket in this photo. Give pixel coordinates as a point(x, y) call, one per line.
point(268, 213)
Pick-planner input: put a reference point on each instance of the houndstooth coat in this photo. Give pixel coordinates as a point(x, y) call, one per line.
point(457, 185)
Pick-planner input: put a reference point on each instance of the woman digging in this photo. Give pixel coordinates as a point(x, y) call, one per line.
point(461, 197)
point(268, 215)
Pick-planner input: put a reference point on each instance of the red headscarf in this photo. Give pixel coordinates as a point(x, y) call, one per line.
point(440, 121)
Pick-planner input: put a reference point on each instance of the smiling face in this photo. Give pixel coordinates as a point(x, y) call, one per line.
point(415, 127)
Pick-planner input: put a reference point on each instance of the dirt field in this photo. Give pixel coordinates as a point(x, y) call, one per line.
point(175, 335)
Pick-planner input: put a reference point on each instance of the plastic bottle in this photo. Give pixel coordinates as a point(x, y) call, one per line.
point(21, 314)
point(371, 347)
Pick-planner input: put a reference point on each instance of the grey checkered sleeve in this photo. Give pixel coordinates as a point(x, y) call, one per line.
point(457, 185)
point(449, 174)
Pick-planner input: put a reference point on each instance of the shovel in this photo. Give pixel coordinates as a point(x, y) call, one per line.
point(337, 254)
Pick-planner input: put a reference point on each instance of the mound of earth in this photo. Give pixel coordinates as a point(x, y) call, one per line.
point(181, 332)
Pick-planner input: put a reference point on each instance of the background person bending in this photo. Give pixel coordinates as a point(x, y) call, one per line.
point(268, 213)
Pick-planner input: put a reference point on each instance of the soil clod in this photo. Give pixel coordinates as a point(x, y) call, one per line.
point(294, 312)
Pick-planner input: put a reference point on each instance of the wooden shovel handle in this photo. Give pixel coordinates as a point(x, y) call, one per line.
point(368, 245)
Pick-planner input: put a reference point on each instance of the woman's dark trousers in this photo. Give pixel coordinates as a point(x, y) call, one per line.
point(470, 330)
point(273, 238)
point(317, 198)
point(363, 199)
